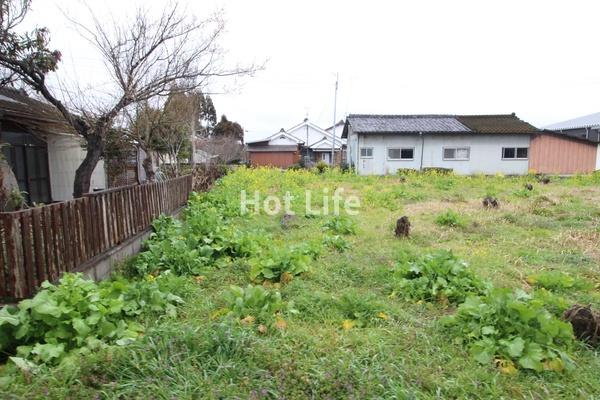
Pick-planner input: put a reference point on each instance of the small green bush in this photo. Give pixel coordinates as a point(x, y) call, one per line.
point(340, 225)
point(256, 304)
point(206, 238)
point(514, 330)
point(361, 310)
point(556, 281)
point(437, 277)
point(321, 166)
point(451, 219)
point(80, 316)
point(280, 264)
point(336, 242)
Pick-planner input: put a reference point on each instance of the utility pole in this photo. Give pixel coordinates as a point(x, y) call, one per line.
point(307, 157)
point(334, 121)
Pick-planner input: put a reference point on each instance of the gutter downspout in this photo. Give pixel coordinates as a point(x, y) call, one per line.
point(422, 149)
point(357, 153)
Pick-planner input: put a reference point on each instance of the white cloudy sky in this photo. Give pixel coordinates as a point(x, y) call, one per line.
point(539, 59)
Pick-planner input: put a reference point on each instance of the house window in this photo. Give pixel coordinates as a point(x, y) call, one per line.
point(457, 153)
point(401, 153)
point(366, 152)
point(515, 153)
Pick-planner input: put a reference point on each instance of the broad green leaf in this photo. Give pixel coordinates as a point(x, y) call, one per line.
point(24, 365)
point(48, 351)
point(81, 327)
point(6, 318)
point(515, 347)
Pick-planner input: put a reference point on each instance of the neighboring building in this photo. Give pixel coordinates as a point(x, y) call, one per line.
point(575, 146)
point(286, 147)
point(278, 150)
point(338, 129)
point(487, 144)
point(41, 148)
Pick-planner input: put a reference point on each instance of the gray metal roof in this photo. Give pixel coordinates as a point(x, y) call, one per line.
point(587, 121)
point(405, 123)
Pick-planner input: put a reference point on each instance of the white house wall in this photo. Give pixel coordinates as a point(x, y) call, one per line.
point(351, 153)
point(313, 134)
point(64, 156)
point(283, 141)
point(485, 153)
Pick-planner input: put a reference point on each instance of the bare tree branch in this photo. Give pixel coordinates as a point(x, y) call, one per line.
point(146, 58)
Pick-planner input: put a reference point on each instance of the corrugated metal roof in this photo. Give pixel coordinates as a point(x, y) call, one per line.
point(587, 121)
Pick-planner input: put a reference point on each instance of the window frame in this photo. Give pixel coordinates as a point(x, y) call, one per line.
point(515, 158)
point(387, 153)
point(365, 148)
point(468, 148)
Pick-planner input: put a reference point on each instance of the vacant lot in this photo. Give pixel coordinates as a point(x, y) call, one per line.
point(346, 325)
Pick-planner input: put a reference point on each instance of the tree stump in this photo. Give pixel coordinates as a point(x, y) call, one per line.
point(490, 202)
point(585, 322)
point(543, 179)
point(403, 227)
point(286, 220)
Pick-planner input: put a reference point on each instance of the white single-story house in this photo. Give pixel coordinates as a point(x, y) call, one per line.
point(305, 140)
point(470, 144)
point(487, 144)
point(41, 149)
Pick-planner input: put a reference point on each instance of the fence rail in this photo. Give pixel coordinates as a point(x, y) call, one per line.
point(41, 243)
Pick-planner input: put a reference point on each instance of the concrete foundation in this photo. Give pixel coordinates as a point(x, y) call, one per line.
point(101, 266)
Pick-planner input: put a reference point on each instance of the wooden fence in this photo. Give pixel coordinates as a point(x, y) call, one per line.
point(41, 243)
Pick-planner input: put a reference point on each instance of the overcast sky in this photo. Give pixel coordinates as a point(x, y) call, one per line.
point(539, 59)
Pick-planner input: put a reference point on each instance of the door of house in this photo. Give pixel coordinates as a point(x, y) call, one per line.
point(326, 157)
point(366, 161)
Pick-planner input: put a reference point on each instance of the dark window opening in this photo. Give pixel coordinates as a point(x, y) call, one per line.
point(28, 157)
point(515, 153)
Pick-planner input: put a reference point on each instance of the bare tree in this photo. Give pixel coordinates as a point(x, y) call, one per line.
point(145, 59)
point(165, 129)
point(143, 125)
point(222, 149)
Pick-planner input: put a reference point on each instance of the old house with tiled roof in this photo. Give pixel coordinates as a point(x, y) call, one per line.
point(41, 149)
point(466, 144)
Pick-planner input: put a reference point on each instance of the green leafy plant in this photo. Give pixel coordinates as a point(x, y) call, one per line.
point(439, 277)
point(321, 166)
point(556, 281)
point(513, 329)
point(79, 315)
point(205, 238)
point(340, 225)
point(311, 249)
point(360, 310)
point(450, 218)
point(256, 304)
point(336, 242)
point(280, 264)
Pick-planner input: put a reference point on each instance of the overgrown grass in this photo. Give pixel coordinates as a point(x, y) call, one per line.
point(354, 335)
